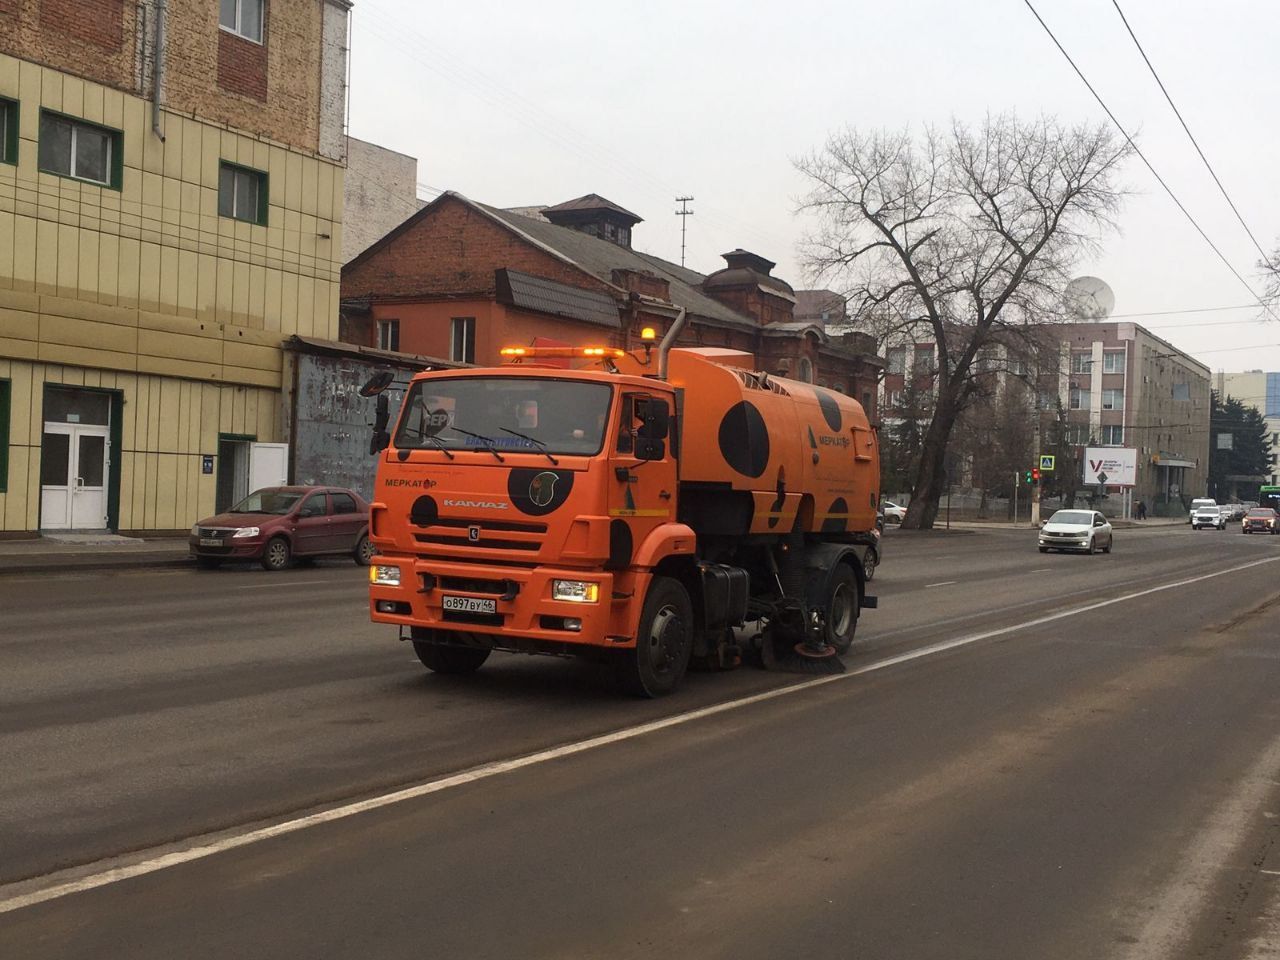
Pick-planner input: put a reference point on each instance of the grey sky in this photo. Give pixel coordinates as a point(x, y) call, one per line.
point(523, 103)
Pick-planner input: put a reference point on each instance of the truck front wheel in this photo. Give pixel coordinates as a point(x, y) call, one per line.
point(663, 644)
point(447, 657)
point(841, 608)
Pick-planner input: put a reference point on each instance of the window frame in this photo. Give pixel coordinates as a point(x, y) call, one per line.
point(390, 325)
point(115, 152)
point(1081, 362)
point(468, 324)
point(237, 29)
point(9, 137)
point(1118, 356)
point(1079, 399)
point(264, 192)
point(1108, 429)
point(333, 504)
point(1117, 398)
point(6, 411)
point(900, 367)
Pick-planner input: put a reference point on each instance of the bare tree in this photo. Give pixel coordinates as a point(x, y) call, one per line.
point(965, 238)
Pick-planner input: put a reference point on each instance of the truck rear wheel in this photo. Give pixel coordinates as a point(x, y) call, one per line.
point(840, 609)
point(664, 642)
point(448, 658)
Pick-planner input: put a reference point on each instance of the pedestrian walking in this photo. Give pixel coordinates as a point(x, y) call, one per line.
point(1142, 510)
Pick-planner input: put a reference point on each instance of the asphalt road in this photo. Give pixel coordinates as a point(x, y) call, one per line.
point(1030, 757)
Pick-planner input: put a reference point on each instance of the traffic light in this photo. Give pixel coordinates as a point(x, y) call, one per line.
point(1027, 477)
point(1035, 474)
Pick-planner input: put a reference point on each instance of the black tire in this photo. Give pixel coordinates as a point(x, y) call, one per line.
point(208, 563)
point(664, 642)
point(444, 657)
point(840, 608)
point(1111, 542)
point(1093, 546)
point(870, 560)
point(276, 555)
point(364, 551)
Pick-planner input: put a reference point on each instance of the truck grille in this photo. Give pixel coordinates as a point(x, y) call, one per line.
point(468, 535)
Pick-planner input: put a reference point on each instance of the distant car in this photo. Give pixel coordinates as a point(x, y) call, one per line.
point(276, 524)
point(1233, 511)
point(892, 512)
point(1086, 530)
point(1200, 502)
point(1260, 520)
point(1208, 516)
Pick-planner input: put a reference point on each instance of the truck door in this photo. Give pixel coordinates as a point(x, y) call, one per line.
point(642, 481)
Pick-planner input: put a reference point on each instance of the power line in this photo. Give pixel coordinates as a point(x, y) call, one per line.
point(1194, 143)
point(1143, 157)
point(1167, 313)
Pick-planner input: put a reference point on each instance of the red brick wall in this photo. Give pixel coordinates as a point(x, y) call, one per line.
point(453, 249)
point(242, 64)
point(100, 22)
point(8, 7)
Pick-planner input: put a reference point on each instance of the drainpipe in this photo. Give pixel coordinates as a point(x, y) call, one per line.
point(157, 70)
point(668, 342)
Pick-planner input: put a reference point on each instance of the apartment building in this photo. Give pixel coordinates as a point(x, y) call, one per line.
point(171, 195)
point(1260, 390)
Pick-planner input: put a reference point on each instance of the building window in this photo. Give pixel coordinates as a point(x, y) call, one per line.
point(1079, 399)
point(242, 194)
point(1018, 367)
point(893, 399)
point(83, 151)
point(897, 357)
point(1112, 399)
point(1113, 361)
point(922, 363)
point(388, 334)
point(1182, 391)
point(4, 435)
point(8, 131)
point(805, 368)
point(1112, 435)
point(462, 348)
point(242, 17)
point(1081, 362)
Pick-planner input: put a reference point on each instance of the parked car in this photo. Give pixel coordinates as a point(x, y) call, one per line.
point(276, 524)
point(1200, 502)
point(1208, 516)
point(1260, 520)
point(1086, 530)
point(892, 512)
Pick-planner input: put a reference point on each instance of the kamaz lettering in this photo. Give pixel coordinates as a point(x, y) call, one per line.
point(477, 504)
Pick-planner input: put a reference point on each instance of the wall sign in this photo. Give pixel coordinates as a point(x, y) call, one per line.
point(206, 464)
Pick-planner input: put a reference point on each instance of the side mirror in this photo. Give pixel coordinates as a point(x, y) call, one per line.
point(647, 448)
point(381, 417)
point(377, 383)
point(654, 415)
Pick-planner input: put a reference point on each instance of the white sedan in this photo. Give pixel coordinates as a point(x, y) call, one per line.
point(1086, 530)
point(892, 512)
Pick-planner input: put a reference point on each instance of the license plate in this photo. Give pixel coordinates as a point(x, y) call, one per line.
point(210, 542)
point(470, 605)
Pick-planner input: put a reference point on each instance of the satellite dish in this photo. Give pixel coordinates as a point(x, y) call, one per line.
point(1089, 298)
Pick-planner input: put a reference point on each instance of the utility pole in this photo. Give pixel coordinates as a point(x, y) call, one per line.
point(684, 213)
point(1035, 487)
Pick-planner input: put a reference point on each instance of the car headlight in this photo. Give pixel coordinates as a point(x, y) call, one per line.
point(246, 532)
point(575, 591)
point(384, 575)
point(195, 529)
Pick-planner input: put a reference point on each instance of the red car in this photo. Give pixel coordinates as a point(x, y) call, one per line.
point(276, 524)
point(1260, 520)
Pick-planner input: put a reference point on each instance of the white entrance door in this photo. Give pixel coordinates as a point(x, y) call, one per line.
point(268, 465)
point(73, 477)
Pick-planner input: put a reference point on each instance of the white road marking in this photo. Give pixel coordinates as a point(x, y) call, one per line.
point(944, 583)
point(17, 896)
point(1271, 873)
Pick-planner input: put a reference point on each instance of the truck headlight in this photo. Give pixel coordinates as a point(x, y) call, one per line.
point(575, 591)
point(383, 575)
point(245, 532)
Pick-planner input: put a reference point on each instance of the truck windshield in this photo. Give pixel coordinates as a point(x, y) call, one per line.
point(487, 413)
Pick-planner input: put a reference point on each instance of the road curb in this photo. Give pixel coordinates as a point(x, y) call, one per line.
point(69, 563)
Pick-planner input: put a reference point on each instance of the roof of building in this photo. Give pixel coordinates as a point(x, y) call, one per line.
point(589, 202)
point(826, 306)
point(559, 299)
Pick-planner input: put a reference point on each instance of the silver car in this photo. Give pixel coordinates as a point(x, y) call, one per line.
point(1085, 530)
point(1208, 516)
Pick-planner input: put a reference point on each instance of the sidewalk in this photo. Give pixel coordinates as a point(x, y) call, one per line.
point(59, 553)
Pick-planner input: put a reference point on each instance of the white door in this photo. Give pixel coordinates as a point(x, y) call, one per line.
point(268, 465)
point(73, 476)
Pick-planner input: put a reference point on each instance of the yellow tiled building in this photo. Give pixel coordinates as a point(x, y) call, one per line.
point(160, 235)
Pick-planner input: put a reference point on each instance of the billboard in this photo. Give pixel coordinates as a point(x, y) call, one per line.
point(1112, 466)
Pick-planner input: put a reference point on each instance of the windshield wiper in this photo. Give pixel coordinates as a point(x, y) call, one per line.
point(488, 443)
point(536, 442)
point(438, 442)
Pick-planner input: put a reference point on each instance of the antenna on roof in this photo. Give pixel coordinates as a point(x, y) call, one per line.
point(684, 213)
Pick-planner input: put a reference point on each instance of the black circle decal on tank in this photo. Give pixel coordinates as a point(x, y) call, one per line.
point(744, 439)
point(424, 512)
point(538, 492)
point(830, 409)
point(836, 524)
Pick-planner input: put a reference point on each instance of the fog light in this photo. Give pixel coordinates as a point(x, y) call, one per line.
point(575, 591)
point(385, 576)
point(573, 623)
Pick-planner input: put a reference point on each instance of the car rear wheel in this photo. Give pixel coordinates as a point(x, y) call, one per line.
point(364, 551)
point(276, 554)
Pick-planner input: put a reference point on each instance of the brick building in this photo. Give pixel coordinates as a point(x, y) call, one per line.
point(460, 280)
point(171, 184)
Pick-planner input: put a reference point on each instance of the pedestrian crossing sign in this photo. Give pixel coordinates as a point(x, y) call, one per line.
point(1046, 462)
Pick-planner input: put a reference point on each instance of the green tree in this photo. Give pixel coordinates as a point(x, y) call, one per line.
point(1246, 454)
